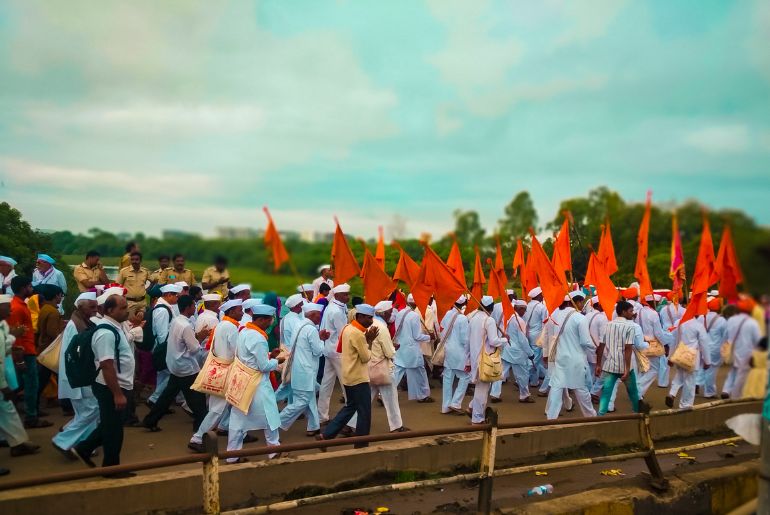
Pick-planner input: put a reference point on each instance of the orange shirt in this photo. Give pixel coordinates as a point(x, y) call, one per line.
point(20, 315)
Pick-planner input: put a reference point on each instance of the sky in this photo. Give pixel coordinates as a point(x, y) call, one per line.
point(146, 115)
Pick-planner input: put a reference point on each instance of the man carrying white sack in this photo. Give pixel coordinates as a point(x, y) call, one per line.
point(517, 355)
point(694, 336)
point(484, 337)
point(287, 329)
point(306, 349)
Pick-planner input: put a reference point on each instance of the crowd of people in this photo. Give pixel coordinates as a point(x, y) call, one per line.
point(237, 364)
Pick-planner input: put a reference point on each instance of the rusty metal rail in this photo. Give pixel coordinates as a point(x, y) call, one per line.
point(489, 429)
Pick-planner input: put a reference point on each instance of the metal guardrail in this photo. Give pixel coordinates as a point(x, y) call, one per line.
point(210, 459)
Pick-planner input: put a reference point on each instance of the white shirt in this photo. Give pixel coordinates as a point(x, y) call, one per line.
point(103, 344)
point(597, 326)
point(693, 334)
point(649, 319)
point(670, 314)
point(225, 340)
point(161, 320)
point(318, 282)
point(744, 338)
point(184, 350)
point(534, 318)
point(335, 318)
point(206, 320)
point(483, 334)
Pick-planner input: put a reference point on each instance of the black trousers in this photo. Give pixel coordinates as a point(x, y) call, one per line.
point(109, 433)
point(359, 401)
point(196, 401)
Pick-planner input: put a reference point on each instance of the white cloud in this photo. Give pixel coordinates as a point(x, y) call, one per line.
point(719, 139)
point(586, 21)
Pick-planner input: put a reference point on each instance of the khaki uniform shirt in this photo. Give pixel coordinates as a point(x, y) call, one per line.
point(211, 274)
point(134, 282)
point(83, 273)
point(124, 261)
point(156, 276)
point(171, 276)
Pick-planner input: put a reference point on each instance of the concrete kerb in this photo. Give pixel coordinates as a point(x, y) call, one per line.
point(268, 481)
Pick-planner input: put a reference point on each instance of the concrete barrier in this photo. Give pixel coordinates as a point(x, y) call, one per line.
point(261, 482)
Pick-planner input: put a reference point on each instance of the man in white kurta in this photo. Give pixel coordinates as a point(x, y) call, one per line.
point(335, 318)
point(597, 326)
point(83, 401)
point(382, 348)
point(649, 320)
point(223, 346)
point(252, 351)
point(517, 355)
point(716, 327)
point(567, 361)
point(163, 313)
point(307, 348)
point(326, 277)
point(209, 317)
point(534, 318)
point(484, 337)
point(409, 337)
point(292, 320)
point(743, 332)
point(693, 334)
point(457, 358)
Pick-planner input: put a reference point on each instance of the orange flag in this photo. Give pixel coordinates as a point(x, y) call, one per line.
point(407, 268)
point(704, 275)
point(676, 270)
point(528, 276)
point(379, 255)
point(518, 258)
point(606, 252)
point(478, 282)
point(274, 244)
point(377, 284)
point(455, 262)
point(562, 256)
point(554, 289)
point(496, 289)
point(344, 262)
point(589, 278)
point(727, 267)
point(437, 279)
point(499, 265)
point(606, 291)
point(640, 270)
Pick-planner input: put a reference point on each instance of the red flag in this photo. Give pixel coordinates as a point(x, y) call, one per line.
point(676, 271)
point(273, 243)
point(608, 294)
point(455, 262)
point(379, 255)
point(640, 270)
point(344, 262)
point(437, 279)
point(407, 268)
point(704, 275)
point(554, 289)
point(377, 284)
point(478, 282)
point(518, 258)
point(606, 252)
point(727, 267)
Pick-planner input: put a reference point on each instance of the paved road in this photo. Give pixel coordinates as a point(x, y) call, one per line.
point(140, 445)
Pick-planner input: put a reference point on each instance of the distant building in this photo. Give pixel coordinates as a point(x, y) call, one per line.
point(239, 233)
point(177, 234)
point(289, 235)
point(317, 236)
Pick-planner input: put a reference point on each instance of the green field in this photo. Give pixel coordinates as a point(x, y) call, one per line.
point(281, 284)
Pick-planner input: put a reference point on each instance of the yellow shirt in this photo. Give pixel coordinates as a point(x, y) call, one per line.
point(355, 356)
point(134, 281)
point(212, 275)
point(171, 276)
point(156, 276)
point(124, 261)
point(83, 273)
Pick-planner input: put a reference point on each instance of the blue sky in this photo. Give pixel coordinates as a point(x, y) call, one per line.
point(148, 115)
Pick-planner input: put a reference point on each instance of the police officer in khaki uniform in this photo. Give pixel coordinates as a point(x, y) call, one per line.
point(134, 279)
point(125, 261)
point(216, 279)
point(178, 273)
point(90, 272)
point(157, 275)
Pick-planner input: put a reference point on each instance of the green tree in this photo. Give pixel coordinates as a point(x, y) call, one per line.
point(468, 228)
point(519, 216)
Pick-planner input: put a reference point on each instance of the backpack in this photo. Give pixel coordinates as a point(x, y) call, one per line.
point(148, 337)
point(79, 357)
point(160, 349)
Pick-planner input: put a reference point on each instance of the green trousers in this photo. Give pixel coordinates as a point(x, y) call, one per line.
point(609, 385)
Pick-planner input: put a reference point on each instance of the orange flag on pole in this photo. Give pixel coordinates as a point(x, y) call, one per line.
point(704, 275)
point(562, 255)
point(528, 276)
point(344, 262)
point(589, 278)
point(554, 289)
point(518, 258)
point(727, 267)
point(407, 268)
point(273, 243)
point(606, 254)
point(676, 271)
point(437, 279)
point(499, 265)
point(606, 291)
point(379, 255)
point(640, 270)
point(495, 286)
point(455, 262)
point(377, 284)
point(478, 282)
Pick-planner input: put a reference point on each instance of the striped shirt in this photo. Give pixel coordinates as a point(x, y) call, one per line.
point(620, 332)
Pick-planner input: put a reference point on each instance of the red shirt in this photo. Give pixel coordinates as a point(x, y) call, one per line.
point(20, 315)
